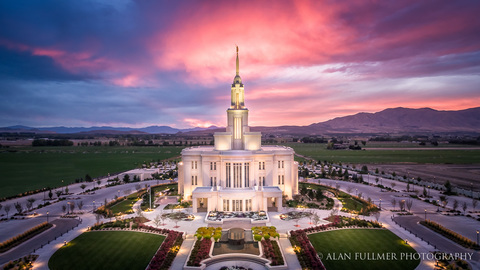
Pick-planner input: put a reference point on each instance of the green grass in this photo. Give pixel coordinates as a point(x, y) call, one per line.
point(31, 168)
point(125, 205)
point(353, 242)
point(441, 156)
point(107, 250)
point(349, 204)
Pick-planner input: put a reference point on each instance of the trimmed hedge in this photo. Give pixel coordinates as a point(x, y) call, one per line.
point(456, 237)
point(163, 259)
point(200, 252)
point(307, 256)
point(17, 240)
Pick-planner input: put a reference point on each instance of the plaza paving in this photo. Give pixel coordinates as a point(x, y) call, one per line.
point(468, 228)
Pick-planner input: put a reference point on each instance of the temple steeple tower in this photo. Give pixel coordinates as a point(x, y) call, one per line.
point(237, 135)
point(238, 69)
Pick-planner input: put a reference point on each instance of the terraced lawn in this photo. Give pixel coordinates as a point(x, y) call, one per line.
point(107, 250)
point(348, 249)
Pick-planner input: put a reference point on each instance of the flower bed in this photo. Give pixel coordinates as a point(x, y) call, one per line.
point(219, 215)
point(180, 215)
point(456, 237)
point(271, 251)
point(294, 215)
point(200, 252)
point(264, 232)
point(166, 253)
point(18, 239)
point(209, 232)
point(307, 256)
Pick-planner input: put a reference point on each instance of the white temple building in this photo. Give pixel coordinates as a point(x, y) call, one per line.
point(237, 173)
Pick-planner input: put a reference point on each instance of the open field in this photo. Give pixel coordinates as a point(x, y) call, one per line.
point(422, 155)
point(30, 168)
point(107, 250)
point(466, 176)
point(361, 242)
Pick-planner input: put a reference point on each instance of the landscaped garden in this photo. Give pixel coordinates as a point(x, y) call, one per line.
point(220, 215)
point(201, 248)
point(351, 204)
point(107, 250)
point(349, 248)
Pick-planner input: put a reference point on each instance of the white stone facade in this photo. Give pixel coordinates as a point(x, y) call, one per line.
point(237, 174)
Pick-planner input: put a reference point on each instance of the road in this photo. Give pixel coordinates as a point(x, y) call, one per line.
point(60, 226)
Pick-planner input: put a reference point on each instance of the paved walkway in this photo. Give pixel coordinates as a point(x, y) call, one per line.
point(60, 227)
point(183, 253)
point(290, 256)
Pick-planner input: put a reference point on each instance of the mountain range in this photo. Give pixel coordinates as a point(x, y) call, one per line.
point(392, 120)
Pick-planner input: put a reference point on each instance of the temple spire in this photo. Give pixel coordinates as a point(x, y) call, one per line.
point(238, 69)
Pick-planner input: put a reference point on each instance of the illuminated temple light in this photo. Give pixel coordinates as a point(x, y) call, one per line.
point(237, 174)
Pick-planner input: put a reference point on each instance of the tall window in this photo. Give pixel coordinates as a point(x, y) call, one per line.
point(263, 178)
point(228, 176)
point(194, 165)
point(194, 180)
point(237, 175)
point(237, 205)
point(283, 179)
point(261, 165)
point(283, 164)
point(279, 164)
point(247, 174)
point(213, 166)
point(279, 179)
point(226, 205)
point(248, 205)
point(237, 121)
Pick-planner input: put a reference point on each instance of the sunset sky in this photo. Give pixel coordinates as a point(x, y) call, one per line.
point(141, 63)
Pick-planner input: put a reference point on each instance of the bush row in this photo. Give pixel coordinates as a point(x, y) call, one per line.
point(456, 237)
point(271, 251)
point(209, 232)
point(306, 254)
point(200, 252)
point(265, 232)
point(18, 239)
point(167, 252)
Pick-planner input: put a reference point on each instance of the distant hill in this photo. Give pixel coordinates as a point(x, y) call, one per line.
point(394, 120)
point(397, 120)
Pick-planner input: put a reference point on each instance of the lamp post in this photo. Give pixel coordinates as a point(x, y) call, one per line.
point(47, 221)
point(62, 186)
point(93, 206)
point(438, 205)
point(477, 236)
point(356, 191)
point(425, 214)
point(380, 204)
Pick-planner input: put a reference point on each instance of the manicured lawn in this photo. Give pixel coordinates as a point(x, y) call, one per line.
point(125, 205)
point(107, 250)
point(31, 168)
point(336, 246)
point(441, 156)
point(351, 204)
